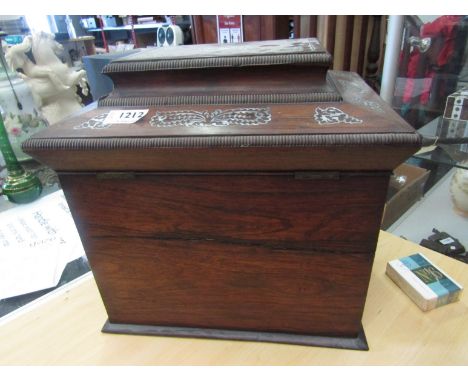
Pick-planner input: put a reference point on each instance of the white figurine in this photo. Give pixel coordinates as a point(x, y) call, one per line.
point(53, 84)
point(459, 191)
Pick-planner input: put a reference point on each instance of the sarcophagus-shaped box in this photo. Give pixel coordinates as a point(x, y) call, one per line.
point(245, 204)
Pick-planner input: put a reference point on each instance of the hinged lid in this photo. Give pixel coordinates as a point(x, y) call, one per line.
point(256, 53)
point(288, 116)
point(278, 71)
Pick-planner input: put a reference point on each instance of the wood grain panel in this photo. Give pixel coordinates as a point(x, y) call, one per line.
point(253, 80)
point(178, 283)
point(330, 32)
point(246, 252)
point(353, 158)
point(252, 27)
point(343, 42)
point(205, 29)
point(313, 21)
point(281, 27)
point(285, 119)
point(259, 28)
point(363, 45)
point(275, 211)
point(348, 42)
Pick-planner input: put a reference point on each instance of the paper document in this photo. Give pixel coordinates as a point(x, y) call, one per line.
point(37, 240)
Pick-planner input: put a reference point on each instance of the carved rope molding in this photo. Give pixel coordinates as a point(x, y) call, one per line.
point(249, 116)
point(220, 99)
point(212, 62)
point(302, 140)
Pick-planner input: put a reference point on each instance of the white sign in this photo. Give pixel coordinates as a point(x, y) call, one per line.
point(229, 29)
point(447, 240)
point(124, 116)
point(37, 241)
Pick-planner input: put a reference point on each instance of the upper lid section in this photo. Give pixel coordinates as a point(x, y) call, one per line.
point(267, 137)
point(274, 52)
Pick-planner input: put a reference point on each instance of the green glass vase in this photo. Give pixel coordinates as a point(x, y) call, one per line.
point(20, 186)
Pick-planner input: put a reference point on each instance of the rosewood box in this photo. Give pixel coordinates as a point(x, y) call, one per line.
point(246, 203)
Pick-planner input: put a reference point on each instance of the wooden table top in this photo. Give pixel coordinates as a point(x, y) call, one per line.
point(66, 330)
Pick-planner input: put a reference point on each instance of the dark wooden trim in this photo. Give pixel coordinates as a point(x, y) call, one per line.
point(197, 28)
point(204, 29)
point(297, 26)
point(373, 54)
point(221, 99)
point(348, 43)
point(330, 33)
point(310, 175)
point(353, 343)
point(313, 22)
point(235, 141)
point(267, 28)
point(362, 45)
point(219, 159)
point(314, 57)
point(251, 25)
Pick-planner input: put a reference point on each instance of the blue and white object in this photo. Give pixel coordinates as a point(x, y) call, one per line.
point(427, 285)
point(169, 35)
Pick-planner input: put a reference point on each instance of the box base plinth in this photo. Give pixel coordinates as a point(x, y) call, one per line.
point(353, 343)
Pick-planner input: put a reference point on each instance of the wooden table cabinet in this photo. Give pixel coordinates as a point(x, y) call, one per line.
point(245, 204)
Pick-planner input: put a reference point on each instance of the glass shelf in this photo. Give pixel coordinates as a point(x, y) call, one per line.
point(452, 155)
